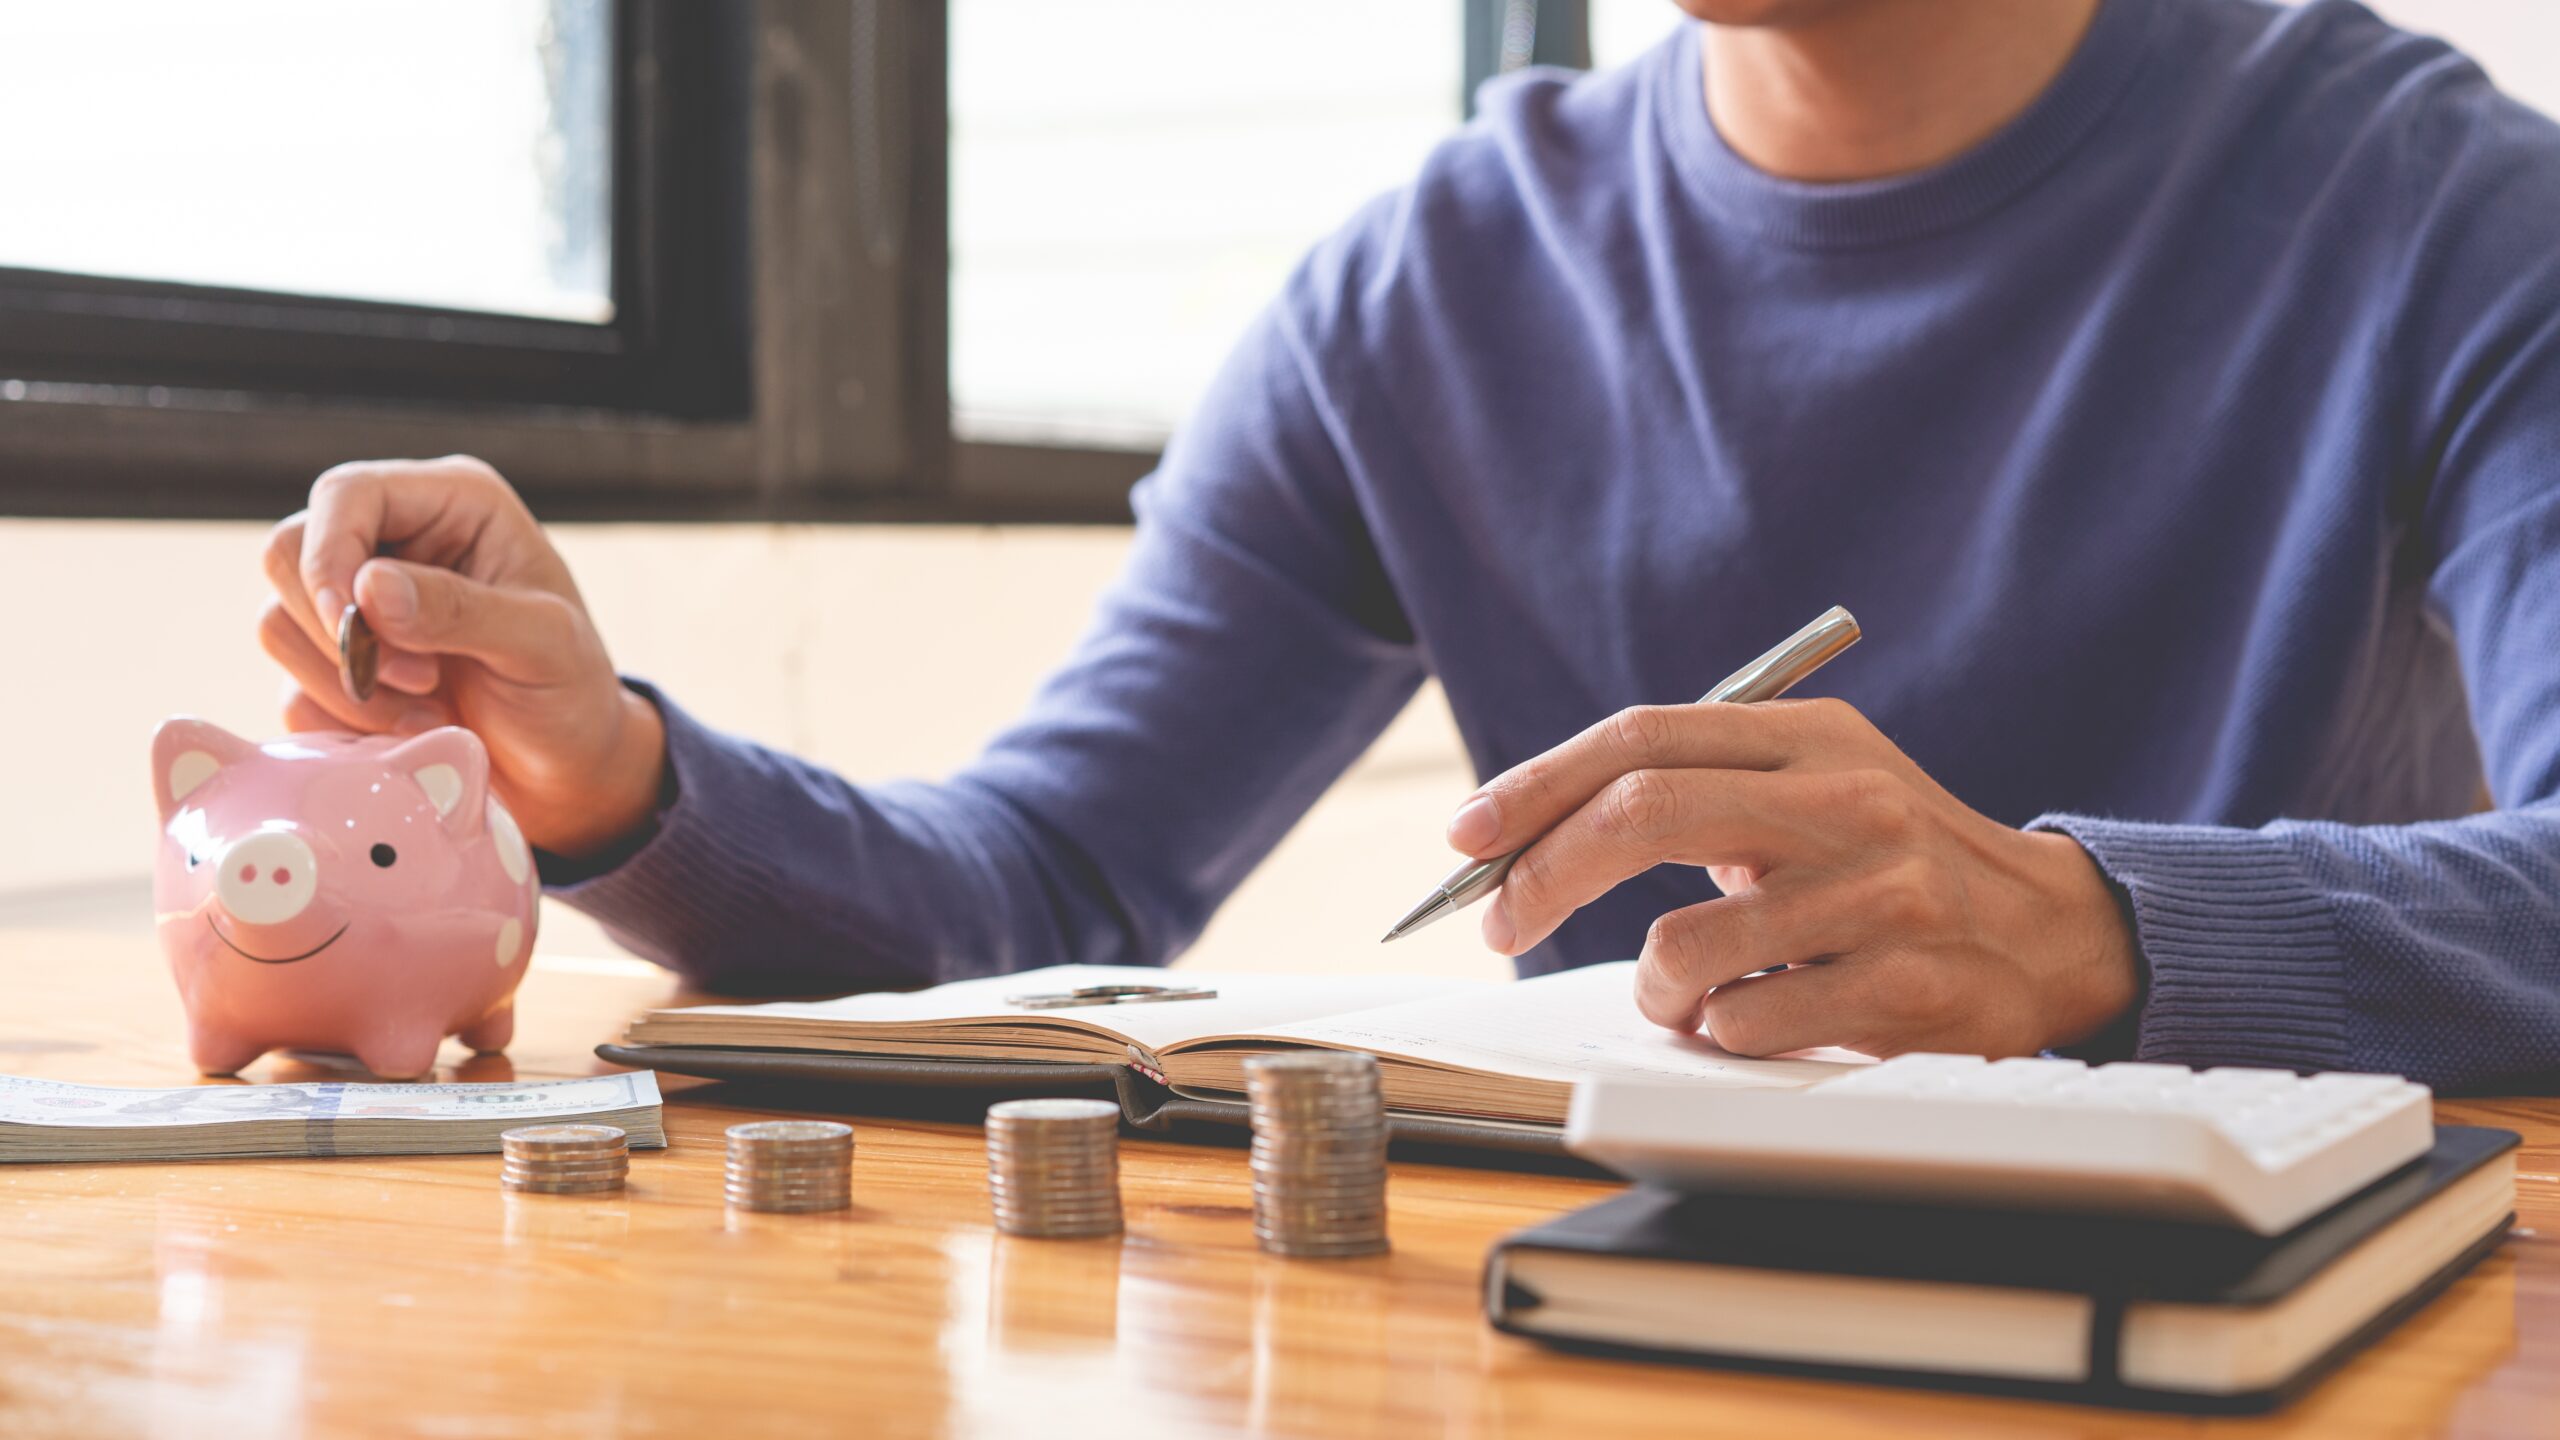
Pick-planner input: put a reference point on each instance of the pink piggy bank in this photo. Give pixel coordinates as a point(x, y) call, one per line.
point(365, 895)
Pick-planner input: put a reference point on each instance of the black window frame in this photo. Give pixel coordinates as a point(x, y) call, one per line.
point(669, 349)
point(780, 347)
point(1505, 35)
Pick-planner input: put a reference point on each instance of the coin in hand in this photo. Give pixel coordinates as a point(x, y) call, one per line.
point(359, 655)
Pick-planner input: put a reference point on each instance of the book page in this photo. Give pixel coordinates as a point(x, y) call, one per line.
point(1245, 1002)
point(1560, 1027)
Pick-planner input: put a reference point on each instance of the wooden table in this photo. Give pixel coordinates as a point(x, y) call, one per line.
point(355, 1297)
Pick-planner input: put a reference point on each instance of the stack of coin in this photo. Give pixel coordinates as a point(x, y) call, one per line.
point(1319, 1153)
point(565, 1159)
point(790, 1166)
point(1053, 1167)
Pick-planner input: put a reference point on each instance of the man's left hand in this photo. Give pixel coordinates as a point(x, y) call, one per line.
point(1905, 920)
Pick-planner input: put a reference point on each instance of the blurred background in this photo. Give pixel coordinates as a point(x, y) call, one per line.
point(831, 333)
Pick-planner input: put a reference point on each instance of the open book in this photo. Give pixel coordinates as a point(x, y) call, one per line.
point(1506, 1053)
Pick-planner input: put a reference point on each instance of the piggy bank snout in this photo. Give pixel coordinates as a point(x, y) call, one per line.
point(267, 878)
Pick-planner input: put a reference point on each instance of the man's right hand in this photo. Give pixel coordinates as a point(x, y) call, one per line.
point(480, 626)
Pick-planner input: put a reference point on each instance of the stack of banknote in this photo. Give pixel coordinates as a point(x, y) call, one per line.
point(52, 1121)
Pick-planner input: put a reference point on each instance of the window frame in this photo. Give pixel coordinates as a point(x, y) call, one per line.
point(1505, 35)
point(773, 366)
point(669, 349)
point(781, 342)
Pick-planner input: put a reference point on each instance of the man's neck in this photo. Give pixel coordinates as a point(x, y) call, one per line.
point(1870, 88)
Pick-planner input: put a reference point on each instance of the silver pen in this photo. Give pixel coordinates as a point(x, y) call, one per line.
point(1766, 678)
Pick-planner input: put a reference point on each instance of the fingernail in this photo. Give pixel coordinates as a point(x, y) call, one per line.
point(330, 604)
point(395, 598)
point(1499, 931)
point(1475, 825)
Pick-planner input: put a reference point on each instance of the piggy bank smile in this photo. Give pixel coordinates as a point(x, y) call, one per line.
point(216, 927)
point(387, 855)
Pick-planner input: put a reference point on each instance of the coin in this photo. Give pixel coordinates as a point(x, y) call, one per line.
point(766, 1136)
point(359, 654)
point(1319, 1154)
point(552, 1139)
point(789, 1166)
point(1054, 1111)
point(1053, 1168)
point(566, 1184)
point(564, 1159)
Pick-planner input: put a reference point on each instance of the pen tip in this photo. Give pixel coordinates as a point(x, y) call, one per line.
point(1437, 905)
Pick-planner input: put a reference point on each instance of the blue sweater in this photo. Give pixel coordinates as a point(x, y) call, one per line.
point(2190, 450)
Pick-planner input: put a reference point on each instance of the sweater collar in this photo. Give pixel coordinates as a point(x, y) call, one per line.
point(1861, 213)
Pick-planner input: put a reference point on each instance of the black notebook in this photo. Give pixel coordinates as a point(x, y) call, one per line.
point(2152, 1313)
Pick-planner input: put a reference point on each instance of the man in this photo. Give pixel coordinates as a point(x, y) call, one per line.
point(2172, 386)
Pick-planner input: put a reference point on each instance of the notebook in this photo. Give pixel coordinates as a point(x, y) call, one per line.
point(2150, 1313)
point(1479, 1053)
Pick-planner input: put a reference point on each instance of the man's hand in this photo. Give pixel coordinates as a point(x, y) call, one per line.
point(480, 626)
point(1906, 920)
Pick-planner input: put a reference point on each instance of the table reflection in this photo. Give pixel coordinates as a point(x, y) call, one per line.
point(1057, 1297)
point(596, 1226)
point(1310, 1317)
point(203, 1362)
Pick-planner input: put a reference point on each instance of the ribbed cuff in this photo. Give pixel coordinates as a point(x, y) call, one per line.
point(700, 880)
point(2245, 965)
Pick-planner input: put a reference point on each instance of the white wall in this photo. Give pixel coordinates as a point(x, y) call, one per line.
point(881, 651)
point(2516, 41)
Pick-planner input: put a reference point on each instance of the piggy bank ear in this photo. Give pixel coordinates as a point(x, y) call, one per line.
point(452, 767)
point(185, 753)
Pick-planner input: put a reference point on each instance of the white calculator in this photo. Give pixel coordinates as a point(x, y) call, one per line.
point(2259, 1149)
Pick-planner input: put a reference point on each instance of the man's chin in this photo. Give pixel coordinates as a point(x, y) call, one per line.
point(1762, 13)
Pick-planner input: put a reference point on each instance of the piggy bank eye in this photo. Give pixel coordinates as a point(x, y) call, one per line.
point(383, 855)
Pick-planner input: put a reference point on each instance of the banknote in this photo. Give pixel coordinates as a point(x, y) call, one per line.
point(57, 1120)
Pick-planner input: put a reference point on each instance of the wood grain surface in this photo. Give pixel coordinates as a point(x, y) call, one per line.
point(415, 1297)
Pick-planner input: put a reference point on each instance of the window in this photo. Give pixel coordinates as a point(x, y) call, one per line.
point(1131, 181)
point(1621, 30)
point(248, 241)
point(896, 258)
point(252, 219)
point(464, 163)
point(831, 258)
